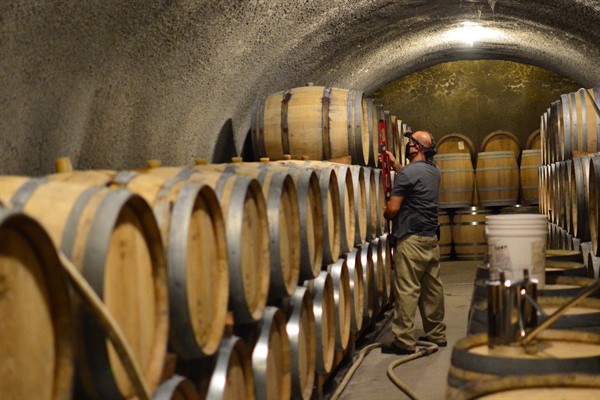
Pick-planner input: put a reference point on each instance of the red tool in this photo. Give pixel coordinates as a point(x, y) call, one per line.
point(387, 175)
point(385, 160)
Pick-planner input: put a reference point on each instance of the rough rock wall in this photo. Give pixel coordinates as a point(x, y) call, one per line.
point(475, 98)
point(114, 83)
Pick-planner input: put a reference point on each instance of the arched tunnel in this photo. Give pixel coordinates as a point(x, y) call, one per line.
point(113, 84)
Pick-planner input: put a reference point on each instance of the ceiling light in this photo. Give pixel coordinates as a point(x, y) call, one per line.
point(471, 32)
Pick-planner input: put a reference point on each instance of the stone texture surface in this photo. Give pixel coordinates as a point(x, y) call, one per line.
point(114, 83)
point(475, 98)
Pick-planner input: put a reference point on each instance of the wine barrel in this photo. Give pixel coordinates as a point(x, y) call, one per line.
point(357, 288)
point(456, 186)
point(385, 246)
point(580, 215)
point(585, 316)
point(445, 241)
point(528, 173)
point(359, 186)
point(271, 359)
point(314, 121)
point(497, 178)
point(544, 137)
point(380, 200)
point(534, 141)
point(371, 204)
point(369, 283)
point(468, 233)
point(565, 352)
point(321, 290)
point(579, 123)
point(37, 322)
point(232, 377)
point(113, 238)
point(176, 387)
point(283, 219)
point(373, 129)
point(247, 235)
point(594, 201)
point(520, 209)
point(558, 386)
point(301, 332)
point(310, 208)
point(343, 306)
point(500, 141)
point(335, 196)
point(593, 265)
point(455, 143)
point(193, 231)
point(347, 201)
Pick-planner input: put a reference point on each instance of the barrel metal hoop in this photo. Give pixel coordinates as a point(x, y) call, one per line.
point(358, 130)
point(584, 126)
point(373, 153)
point(497, 188)
point(181, 323)
point(124, 177)
point(568, 118)
point(216, 387)
point(234, 219)
point(162, 199)
point(285, 143)
point(70, 229)
point(261, 131)
point(531, 167)
point(24, 193)
point(93, 269)
point(255, 128)
point(294, 331)
point(456, 191)
point(273, 199)
point(456, 170)
point(507, 168)
point(325, 123)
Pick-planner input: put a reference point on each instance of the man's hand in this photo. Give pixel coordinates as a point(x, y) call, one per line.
point(395, 164)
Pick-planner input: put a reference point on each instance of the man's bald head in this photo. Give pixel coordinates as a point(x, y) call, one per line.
point(424, 138)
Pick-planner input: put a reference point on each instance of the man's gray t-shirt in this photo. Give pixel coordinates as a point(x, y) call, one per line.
point(419, 184)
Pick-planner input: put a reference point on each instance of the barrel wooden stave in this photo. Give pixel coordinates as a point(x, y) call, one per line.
point(455, 143)
point(457, 182)
point(468, 233)
point(445, 241)
point(528, 174)
point(318, 122)
point(497, 178)
point(113, 238)
point(37, 322)
point(594, 203)
point(301, 330)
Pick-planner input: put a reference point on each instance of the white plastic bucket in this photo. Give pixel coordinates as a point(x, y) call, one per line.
point(518, 242)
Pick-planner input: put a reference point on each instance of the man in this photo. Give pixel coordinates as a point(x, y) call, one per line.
point(413, 207)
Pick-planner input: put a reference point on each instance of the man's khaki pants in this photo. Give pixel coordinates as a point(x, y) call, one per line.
point(417, 283)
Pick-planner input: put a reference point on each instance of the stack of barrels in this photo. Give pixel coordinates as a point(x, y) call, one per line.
point(570, 173)
point(258, 274)
point(569, 194)
point(468, 194)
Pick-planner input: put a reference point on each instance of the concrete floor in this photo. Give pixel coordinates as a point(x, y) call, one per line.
point(426, 376)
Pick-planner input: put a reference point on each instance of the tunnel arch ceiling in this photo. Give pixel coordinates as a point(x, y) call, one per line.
point(116, 83)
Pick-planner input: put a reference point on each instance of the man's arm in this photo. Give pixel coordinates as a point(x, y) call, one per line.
point(393, 206)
